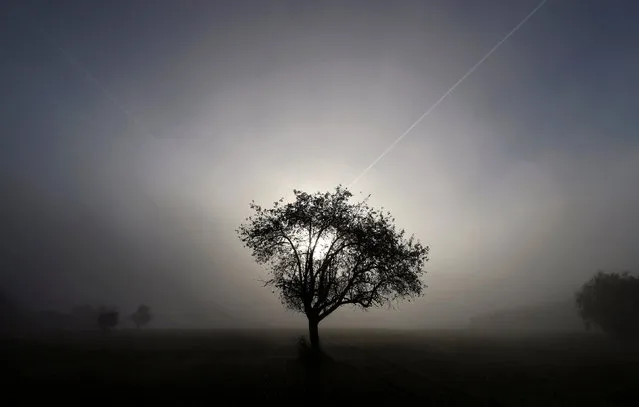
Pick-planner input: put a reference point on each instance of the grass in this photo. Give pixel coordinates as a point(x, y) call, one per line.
point(436, 367)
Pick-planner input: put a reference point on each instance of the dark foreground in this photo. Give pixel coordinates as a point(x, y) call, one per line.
point(221, 367)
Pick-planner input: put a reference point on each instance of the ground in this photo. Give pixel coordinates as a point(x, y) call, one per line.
point(433, 367)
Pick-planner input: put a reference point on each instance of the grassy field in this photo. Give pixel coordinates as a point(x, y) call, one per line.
point(437, 367)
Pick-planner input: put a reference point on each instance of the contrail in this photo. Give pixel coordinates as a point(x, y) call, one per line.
point(80, 68)
point(450, 90)
point(106, 92)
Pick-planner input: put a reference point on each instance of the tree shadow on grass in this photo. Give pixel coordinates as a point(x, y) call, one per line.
point(320, 377)
point(311, 359)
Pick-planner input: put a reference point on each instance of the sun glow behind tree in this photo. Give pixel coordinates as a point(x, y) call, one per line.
point(317, 246)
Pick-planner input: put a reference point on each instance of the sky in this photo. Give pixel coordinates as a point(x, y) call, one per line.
point(135, 134)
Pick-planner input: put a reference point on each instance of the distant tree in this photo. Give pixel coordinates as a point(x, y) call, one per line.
point(142, 316)
point(610, 301)
point(325, 252)
point(108, 319)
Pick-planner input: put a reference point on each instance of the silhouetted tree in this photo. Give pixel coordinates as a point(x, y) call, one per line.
point(108, 320)
point(610, 301)
point(142, 316)
point(324, 252)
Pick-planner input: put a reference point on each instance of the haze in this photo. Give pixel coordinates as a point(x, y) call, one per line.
point(135, 134)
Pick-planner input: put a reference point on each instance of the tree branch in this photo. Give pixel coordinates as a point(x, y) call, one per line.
point(331, 306)
point(297, 257)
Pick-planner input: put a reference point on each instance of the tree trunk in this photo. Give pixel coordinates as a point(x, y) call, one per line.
point(313, 333)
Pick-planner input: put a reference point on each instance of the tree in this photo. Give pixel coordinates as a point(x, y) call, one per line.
point(142, 316)
point(108, 319)
point(324, 252)
point(610, 301)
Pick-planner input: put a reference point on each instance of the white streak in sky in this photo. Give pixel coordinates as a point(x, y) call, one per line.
point(450, 90)
point(103, 89)
point(80, 68)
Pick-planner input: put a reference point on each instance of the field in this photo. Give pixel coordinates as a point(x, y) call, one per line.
point(208, 367)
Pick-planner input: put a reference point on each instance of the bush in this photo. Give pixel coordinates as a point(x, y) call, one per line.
point(108, 320)
point(610, 301)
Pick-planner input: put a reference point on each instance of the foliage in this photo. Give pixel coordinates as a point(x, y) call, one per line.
point(142, 316)
point(324, 252)
point(611, 302)
point(108, 319)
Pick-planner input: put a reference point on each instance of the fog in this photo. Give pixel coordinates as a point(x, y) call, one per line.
point(134, 137)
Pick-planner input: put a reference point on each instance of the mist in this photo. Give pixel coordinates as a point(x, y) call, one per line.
point(130, 155)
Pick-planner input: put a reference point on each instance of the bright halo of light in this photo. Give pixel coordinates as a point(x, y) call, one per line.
point(322, 247)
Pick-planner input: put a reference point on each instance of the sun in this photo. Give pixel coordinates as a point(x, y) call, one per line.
point(323, 245)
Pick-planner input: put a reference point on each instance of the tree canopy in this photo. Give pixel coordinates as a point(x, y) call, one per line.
point(141, 316)
point(610, 301)
point(108, 319)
